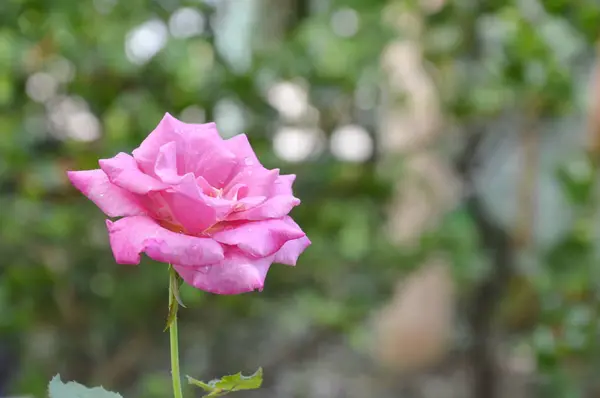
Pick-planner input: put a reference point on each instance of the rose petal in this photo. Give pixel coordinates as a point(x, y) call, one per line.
point(122, 170)
point(279, 204)
point(283, 185)
point(157, 206)
point(197, 149)
point(131, 236)
point(259, 180)
point(237, 273)
point(275, 207)
point(204, 186)
point(291, 250)
point(194, 209)
point(169, 129)
point(258, 238)
point(249, 203)
point(193, 215)
point(112, 200)
point(236, 192)
point(165, 167)
point(241, 147)
point(208, 158)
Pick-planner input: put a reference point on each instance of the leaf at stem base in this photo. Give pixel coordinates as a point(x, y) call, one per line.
point(228, 384)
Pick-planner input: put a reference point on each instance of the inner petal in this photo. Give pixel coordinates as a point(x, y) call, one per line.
point(165, 167)
point(258, 179)
point(236, 192)
point(209, 159)
point(170, 130)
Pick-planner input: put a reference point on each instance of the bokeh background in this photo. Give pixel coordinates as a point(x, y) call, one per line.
point(446, 159)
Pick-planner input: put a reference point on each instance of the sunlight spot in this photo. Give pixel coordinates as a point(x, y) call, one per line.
point(290, 99)
point(145, 41)
point(351, 143)
point(70, 117)
point(41, 87)
point(295, 144)
point(345, 22)
point(193, 114)
point(229, 117)
point(186, 22)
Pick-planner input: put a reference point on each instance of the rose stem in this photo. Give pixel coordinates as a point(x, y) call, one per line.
point(173, 338)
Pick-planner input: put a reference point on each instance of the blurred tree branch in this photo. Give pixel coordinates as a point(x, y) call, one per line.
point(594, 111)
point(487, 296)
point(524, 230)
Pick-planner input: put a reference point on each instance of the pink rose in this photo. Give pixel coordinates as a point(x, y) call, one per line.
point(204, 204)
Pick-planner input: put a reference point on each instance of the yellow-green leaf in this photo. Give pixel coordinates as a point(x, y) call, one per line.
point(228, 384)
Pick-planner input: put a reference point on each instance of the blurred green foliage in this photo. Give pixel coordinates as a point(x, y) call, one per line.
point(68, 308)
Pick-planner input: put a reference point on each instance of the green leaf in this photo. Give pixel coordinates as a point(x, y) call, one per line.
point(58, 389)
point(173, 307)
point(174, 296)
point(228, 384)
point(176, 283)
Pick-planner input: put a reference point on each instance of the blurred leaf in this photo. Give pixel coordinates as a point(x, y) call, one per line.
point(58, 389)
point(577, 178)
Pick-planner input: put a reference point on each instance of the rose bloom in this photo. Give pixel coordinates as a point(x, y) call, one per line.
point(203, 204)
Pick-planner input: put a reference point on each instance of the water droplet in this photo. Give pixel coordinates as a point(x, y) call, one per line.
point(248, 161)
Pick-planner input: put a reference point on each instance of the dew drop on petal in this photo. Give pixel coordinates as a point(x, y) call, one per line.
point(202, 270)
point(248, 161)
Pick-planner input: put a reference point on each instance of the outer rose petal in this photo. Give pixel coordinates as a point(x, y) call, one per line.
point(237, 273)
point(241, 147)
point(112, 200)
point(122, 170)
point(131, 236)
point(260, 238)
point(283, 185)
point(291, 250)
point(169, 129)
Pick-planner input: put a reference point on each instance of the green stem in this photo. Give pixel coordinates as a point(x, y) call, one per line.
point(173, 337)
